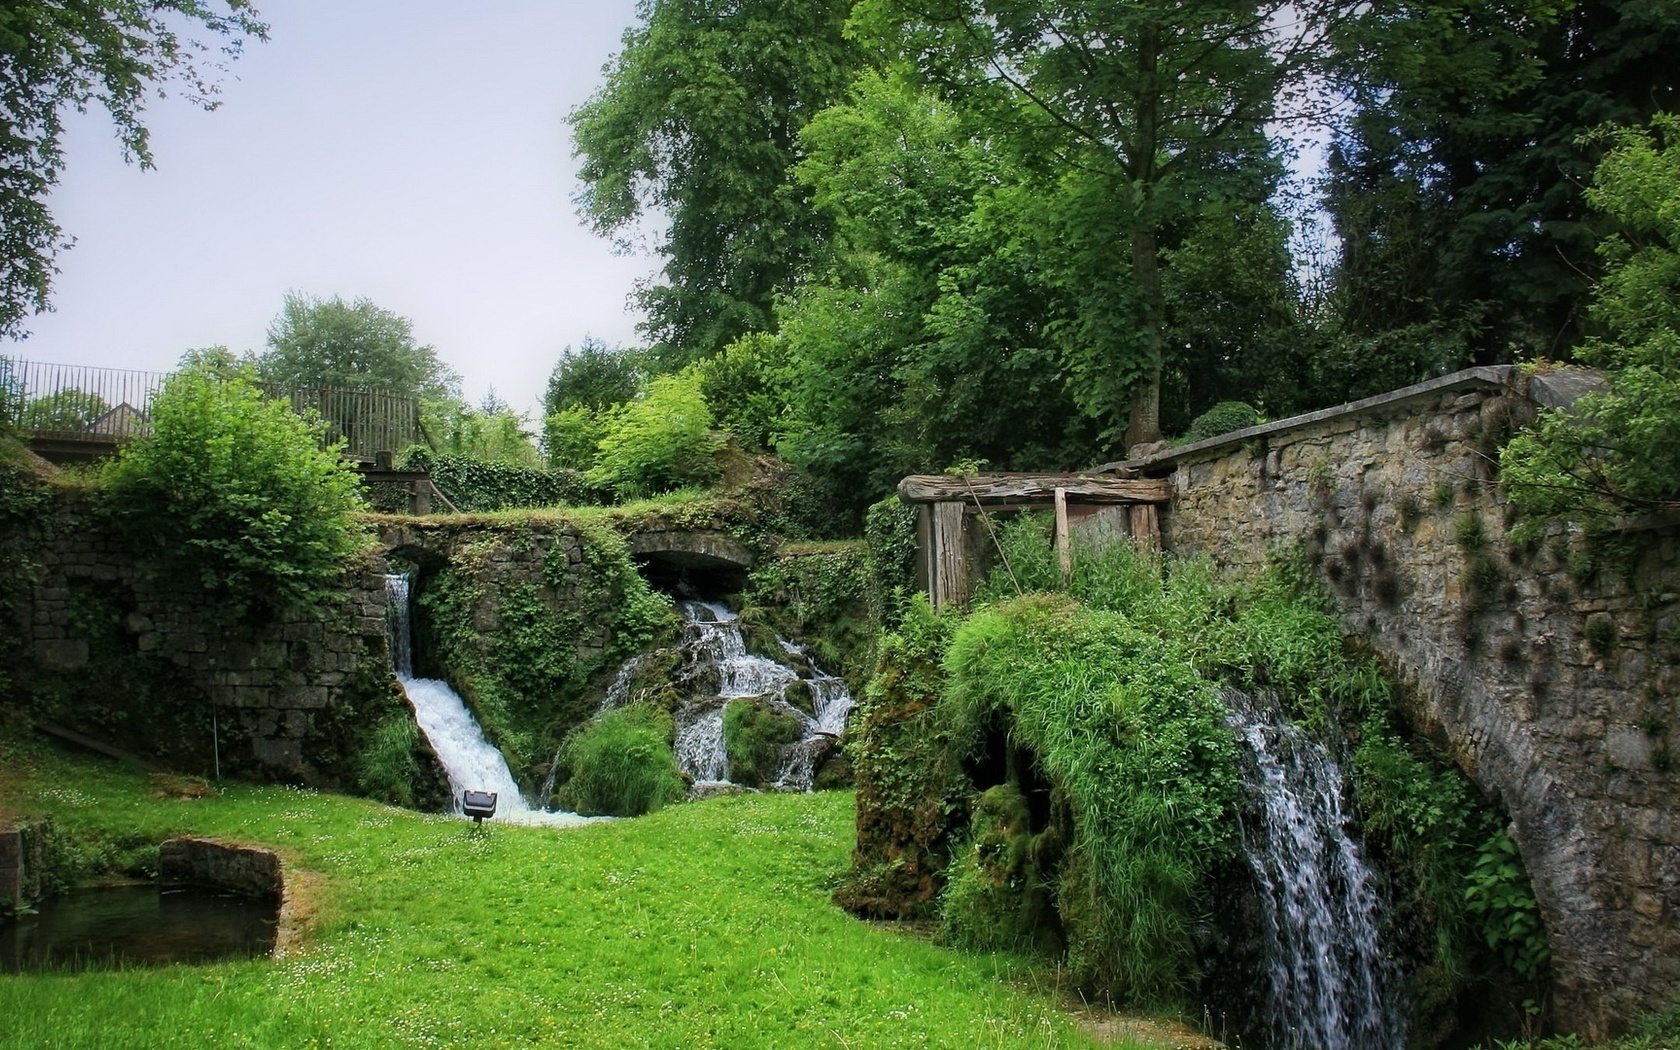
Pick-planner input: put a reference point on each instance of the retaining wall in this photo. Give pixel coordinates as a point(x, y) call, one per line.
point(1549, 672)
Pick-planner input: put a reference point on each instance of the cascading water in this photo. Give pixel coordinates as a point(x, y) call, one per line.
point(713, 644)
point(1329, 986)
point(469, 760)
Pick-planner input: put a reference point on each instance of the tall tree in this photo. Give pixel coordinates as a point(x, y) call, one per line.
point(1148, 108)
point(1457, 187)
point(357, 345)
point(63, 55)
point(697, 127)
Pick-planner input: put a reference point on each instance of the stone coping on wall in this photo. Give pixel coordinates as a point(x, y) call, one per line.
point(251, 871)
point(1480, 378)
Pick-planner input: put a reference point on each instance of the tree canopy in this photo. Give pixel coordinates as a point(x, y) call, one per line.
point(356, 345)
point(59, 57)
point(697, 124)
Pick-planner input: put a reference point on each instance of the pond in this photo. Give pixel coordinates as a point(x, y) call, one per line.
point(143, 925)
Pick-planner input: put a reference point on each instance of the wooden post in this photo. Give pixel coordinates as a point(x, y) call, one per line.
point(1146, 526)
point(950, 560)
point(1064, 553)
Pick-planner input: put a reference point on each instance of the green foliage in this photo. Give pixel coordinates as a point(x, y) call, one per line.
point(68, 409)
point(56, 58)
point(697, 123)
point(493, 433)
point(663, 441)
point(1137, 742)
point(594, 376)
point(1222, 419)
point(572, 437)
point(889, 527)
point(480, 485)
point(996, 896)
point(825, 596)
point(354, 346)
point(754, 738)
point(747, 387)
point(911, 787)
point(234, 491)
point(387, 768)
point(621, 764)
point(1500, 896)
point(1618, 450)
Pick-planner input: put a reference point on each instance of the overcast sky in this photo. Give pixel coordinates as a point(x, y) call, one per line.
point(414, 152)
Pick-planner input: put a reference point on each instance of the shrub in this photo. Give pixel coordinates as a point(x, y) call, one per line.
point(754, 738)
point(387, 769)
point(480, 485)
point(1222, 419)
point(1137, 744)
point(572, 437)
point(237, 492)
point(621, 764)
point(660, 443)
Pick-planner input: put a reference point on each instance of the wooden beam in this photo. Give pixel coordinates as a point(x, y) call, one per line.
point(1008, 488)
point(950, 557)
point(1064, 552)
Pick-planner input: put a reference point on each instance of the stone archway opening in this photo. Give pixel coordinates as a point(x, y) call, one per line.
point(689, 574)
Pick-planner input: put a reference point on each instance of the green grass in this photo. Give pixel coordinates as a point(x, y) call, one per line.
point(703, 925)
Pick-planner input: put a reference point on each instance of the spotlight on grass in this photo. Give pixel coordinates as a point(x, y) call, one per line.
point(478, 805)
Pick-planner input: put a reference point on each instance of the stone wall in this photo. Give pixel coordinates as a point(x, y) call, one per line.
point(122, 648)
point(1549, 672)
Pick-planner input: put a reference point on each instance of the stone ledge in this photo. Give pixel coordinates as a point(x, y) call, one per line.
point(252, 871)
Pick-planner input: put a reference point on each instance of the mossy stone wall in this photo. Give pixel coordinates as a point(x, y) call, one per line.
point(1548, 671)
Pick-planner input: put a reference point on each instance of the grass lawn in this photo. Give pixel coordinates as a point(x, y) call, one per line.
point(704, 925)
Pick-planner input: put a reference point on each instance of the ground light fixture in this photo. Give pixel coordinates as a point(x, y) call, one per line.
point(478, 805)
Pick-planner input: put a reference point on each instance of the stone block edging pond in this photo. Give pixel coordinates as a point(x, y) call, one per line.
point(252, 871)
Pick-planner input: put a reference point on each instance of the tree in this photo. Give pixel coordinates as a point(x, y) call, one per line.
point(68, 409)
point(1618, 451)
point(595, 376)
point(1145, 108)
point(237, 491)
point(1457, 187)
point(355, 346)
point(921, 341)
point(697, 123)
point(60, 56)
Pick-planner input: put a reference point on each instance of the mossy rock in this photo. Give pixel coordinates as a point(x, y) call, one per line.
point(754, 737)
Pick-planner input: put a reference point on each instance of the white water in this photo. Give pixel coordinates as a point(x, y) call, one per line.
point(712, 640)
point(469, 760)
point(1329, 986)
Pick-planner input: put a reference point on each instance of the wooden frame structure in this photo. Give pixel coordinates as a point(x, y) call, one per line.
point(947, 504)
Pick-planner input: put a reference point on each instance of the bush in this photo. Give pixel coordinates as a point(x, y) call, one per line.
point(1136, 743)
point(236, 492)
point(387, 769)
point(621, 764)
point(660, 443)
point(1222, 419)
point(754, 737)
point(479, 485)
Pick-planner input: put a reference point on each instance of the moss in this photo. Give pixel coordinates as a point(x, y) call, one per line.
point(754, 738)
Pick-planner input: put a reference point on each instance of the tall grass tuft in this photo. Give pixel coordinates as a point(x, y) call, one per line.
point(1135, 743)
point(621, 764)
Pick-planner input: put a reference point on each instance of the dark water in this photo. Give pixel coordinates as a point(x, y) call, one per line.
point(136, 926)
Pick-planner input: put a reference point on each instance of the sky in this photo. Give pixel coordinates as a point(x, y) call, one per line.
point(412, 152)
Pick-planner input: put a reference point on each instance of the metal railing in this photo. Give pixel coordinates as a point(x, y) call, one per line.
point(107, 405)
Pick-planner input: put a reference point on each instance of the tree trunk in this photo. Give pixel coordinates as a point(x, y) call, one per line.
point(1143, 421)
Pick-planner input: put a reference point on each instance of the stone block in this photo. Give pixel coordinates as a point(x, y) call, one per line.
point(63, 654)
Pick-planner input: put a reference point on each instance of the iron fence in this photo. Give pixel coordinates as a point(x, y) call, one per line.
point(106, 405)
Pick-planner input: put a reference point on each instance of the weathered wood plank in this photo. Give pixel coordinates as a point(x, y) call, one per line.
point(999, 488)
point(950, 558)
point(1064, 552)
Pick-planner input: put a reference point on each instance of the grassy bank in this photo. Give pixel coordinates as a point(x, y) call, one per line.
point(705, 925)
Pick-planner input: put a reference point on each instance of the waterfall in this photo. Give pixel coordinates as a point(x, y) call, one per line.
point(712, 644)
point(469, 760)
point(1328, 984)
